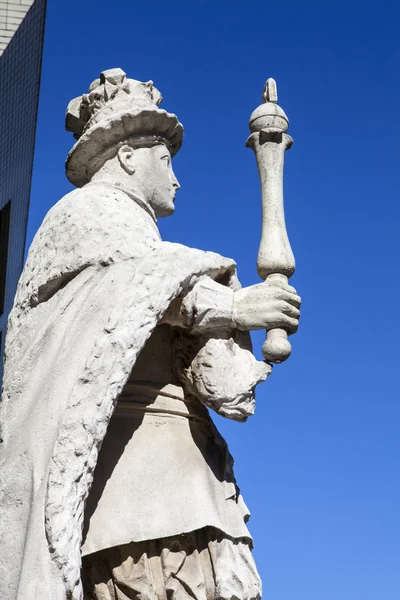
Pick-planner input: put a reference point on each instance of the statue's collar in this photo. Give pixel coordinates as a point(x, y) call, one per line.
point(136, 199)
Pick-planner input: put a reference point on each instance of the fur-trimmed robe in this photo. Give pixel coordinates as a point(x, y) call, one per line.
point(97, 281)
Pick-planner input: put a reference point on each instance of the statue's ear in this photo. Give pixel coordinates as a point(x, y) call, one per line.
point(126, 158)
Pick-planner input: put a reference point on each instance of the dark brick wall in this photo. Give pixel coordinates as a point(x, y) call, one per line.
point(20, 68)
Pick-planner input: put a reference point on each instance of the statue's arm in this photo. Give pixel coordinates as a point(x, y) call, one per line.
point(209, 305)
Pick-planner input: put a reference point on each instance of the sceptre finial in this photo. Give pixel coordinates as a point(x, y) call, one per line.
point(270, 93)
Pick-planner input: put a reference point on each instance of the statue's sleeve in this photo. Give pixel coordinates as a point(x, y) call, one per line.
point(208, 306)
point(215, 362)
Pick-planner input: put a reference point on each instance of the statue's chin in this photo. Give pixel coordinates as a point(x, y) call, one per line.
point(165, 211)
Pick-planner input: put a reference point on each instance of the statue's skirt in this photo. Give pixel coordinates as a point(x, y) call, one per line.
point(202, 565)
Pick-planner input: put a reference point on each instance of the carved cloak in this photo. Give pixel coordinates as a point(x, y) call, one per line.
point(97, 281)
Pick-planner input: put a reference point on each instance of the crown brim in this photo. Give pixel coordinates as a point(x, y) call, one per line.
point(120, 126)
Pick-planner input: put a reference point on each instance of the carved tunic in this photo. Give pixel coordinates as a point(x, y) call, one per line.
point(163, 469)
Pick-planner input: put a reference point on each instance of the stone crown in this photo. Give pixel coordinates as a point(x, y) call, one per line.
point(107, 92)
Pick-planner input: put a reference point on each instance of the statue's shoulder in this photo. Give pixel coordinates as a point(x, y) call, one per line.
point(91, 200)
point(97, 214)
point(89, 226)
point(93, 224)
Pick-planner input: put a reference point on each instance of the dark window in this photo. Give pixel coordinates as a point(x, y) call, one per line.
point(4, 234)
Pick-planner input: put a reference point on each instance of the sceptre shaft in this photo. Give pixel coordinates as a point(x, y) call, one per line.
point(275, 263)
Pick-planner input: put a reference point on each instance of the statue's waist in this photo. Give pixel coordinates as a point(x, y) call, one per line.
point(158, 399)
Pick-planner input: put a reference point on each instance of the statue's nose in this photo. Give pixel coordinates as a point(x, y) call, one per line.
point(175, 182)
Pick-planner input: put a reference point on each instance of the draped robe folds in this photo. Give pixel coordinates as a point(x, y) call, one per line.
point(97, 281)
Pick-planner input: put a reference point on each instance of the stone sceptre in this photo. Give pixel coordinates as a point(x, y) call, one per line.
point(275, 263)
point(115, 482)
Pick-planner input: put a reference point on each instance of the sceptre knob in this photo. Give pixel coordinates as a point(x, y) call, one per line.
point(275, 263)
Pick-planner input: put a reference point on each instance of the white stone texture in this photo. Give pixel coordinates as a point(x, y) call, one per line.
point(108, 320)
point(85, 307)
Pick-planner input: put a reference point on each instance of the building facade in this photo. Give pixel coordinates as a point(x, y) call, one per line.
point(21, 45)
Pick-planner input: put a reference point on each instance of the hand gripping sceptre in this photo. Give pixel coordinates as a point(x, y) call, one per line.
point(275, 263)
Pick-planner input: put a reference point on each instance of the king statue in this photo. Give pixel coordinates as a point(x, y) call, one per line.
point(115, 483)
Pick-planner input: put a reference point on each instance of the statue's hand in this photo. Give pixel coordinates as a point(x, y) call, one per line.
point(267, 306)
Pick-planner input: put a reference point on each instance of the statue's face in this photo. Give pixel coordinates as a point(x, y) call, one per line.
point(151, 176)
point(163, 183)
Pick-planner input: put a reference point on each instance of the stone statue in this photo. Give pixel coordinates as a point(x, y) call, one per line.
point(115, 482)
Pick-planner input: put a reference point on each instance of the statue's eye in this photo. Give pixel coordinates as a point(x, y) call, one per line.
point(166, 159)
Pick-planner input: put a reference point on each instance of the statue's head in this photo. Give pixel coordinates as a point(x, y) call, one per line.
point(124, 137)
point(146, 171)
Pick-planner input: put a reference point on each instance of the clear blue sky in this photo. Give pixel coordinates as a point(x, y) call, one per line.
point(318, 464)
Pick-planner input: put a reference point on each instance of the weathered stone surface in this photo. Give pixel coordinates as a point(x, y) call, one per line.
point(117, 343)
